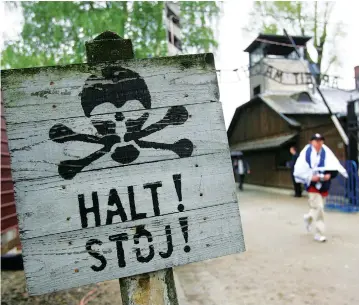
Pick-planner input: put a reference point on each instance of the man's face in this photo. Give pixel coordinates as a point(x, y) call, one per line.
point(292, 151)
point(317, 144)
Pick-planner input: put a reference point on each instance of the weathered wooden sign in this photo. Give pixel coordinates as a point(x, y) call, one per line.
point(119, 169)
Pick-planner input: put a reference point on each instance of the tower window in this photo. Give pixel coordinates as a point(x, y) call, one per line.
point(257, 90)
point(302, 97)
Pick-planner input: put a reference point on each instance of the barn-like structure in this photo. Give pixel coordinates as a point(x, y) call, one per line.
point(282, 112)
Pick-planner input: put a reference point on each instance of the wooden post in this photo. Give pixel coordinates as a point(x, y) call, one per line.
point(155, 288)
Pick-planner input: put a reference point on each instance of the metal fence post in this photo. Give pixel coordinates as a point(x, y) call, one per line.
point(353, 130)
point(155, 288)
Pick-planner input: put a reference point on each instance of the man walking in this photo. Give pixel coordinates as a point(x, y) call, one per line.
point(297, 186)
point(241, 168)
point(315, 167)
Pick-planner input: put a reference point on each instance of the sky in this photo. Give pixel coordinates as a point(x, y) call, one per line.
point(232, 41)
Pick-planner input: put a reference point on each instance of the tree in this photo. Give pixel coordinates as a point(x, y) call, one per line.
point(301, 18)
point(55, 32)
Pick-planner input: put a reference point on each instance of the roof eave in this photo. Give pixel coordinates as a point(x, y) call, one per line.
point(258, 97)
point(266, 36)
point(235, 115)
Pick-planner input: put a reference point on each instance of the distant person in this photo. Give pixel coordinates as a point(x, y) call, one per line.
point(291, 163)
point(241, 168)
point(315, 167)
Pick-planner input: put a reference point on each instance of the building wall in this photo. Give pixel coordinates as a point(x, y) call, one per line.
point(264, 170)
point(263, 163)
point(267, 84)
point(286, 65)
point(257, 79)
point(321, 124)
point(258, 121)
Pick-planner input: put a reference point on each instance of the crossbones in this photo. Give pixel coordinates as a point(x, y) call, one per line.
point(99, 93)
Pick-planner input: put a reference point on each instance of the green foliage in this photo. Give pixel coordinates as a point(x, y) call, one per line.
point(56, 32)
point(300, 18)
point(196, 18)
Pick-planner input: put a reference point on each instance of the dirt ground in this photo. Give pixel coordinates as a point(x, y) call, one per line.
point(282, 264)
point(13, 292)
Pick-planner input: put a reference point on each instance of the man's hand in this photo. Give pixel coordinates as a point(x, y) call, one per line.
point(248, 172)
point(327, 177)
point(315, 178)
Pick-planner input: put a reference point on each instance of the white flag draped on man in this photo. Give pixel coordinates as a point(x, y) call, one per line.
point(173, 27)
point(303, 172)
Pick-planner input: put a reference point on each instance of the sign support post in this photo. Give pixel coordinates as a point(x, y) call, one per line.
point(154, 288)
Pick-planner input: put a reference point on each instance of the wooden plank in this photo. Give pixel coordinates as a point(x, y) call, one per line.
point(38, 94)
point(61, 261)
point(33, 155)
point(49, 206)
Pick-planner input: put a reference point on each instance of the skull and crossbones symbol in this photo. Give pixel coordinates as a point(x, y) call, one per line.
point(118, 86)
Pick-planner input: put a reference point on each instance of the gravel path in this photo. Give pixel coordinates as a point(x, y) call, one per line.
point(282, 264)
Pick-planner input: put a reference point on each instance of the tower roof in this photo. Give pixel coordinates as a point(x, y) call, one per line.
point(275, 44)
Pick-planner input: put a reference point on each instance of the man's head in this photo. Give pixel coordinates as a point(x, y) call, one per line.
point(317, 141)
point(293, 150)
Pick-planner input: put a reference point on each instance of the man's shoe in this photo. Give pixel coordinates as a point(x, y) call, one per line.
point(320, 238)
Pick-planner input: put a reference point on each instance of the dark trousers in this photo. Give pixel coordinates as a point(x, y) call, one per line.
point(241, 181)
point(297, 188)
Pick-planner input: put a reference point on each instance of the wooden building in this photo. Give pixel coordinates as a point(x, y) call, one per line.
point(9, 224)
point(280, 115)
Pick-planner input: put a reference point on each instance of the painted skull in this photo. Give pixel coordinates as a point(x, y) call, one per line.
point(118, 86)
